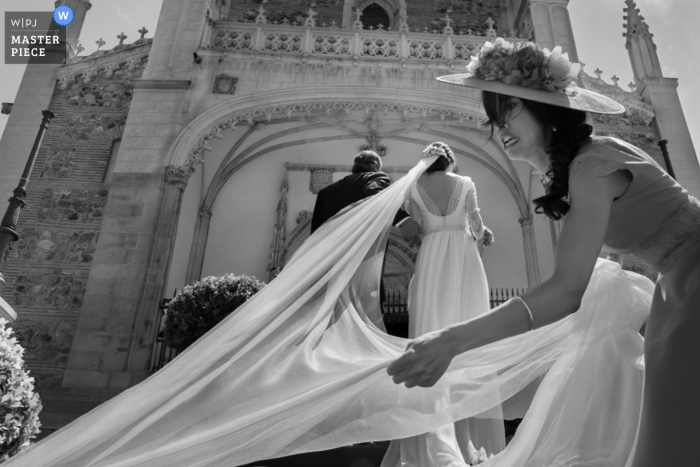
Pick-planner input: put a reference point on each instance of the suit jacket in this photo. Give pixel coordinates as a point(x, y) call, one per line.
point(341, 194)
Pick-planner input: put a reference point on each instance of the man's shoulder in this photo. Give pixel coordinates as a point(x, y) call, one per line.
point(373, 176)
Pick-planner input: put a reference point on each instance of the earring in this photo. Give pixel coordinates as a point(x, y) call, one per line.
point(504, 126)
point(554, 128)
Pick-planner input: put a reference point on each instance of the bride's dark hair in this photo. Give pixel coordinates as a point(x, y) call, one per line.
point(569, 132)
point(442, 163)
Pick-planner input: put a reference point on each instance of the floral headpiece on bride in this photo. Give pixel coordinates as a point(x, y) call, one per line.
point(432, 150)
point(440, 149)
point(529, 72)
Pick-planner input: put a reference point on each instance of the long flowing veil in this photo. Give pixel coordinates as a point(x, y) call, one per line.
point(301, 367)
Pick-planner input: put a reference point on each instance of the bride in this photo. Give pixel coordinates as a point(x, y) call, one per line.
point(450, 278)
point(300, 368)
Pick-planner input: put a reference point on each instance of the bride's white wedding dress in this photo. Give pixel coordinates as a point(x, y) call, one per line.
point(449, 286)
point(300, 368)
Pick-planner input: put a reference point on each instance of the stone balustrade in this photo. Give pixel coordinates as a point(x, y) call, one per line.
point(336, 43)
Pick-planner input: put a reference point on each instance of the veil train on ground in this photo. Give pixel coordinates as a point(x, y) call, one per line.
point(300, 367)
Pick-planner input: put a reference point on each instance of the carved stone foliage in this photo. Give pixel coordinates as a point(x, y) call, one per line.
point(319, 179)
point(46, 341)
point(100, 94)
point(50, 290)
point(58, 163)
point(47, 245)
point(72, 205)
point(303, 216)
point(82, 127)
point(309, 109)
point(224, 84)
point(178, 175)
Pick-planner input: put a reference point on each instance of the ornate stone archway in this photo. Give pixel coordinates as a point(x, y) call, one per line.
point(237, 114)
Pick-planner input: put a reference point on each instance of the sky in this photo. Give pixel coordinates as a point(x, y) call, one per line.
point(597, 26)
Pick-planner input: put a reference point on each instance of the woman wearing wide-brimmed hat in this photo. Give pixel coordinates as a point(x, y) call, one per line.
point(610, 194)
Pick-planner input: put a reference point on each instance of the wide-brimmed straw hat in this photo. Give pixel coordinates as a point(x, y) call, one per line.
point(526, 71)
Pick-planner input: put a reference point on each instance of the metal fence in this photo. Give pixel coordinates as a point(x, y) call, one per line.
point(162, 354)
point(395, 307)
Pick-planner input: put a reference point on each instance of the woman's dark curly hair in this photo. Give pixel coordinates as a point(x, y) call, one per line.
point(571, 133)
point(442, 163)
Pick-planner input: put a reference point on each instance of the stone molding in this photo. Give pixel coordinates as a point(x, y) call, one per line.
point(196, 154)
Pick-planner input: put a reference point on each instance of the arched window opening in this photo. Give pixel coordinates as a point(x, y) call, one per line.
point(373, 16)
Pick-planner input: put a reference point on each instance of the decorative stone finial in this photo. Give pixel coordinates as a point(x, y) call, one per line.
point(79, 48)
point(403, 26)
point(615, 79)
point(632, 86)
point(121, 38)
point(448, 29)
point(598, 72)
point(310, 21)
point(357, 25)
point(491, 32)
point(261, 18)
point(143, 31)
point(100, 43)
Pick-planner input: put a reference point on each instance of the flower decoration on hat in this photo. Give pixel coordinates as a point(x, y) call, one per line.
point(524, 64)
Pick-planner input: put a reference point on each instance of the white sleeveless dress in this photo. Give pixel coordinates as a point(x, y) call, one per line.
point(449, 286)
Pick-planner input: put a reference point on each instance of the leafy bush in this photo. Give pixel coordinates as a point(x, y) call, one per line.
point(19, 405)
point(199, 307)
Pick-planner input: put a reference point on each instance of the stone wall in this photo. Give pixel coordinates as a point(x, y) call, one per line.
point(48, 268)
point(423, 15)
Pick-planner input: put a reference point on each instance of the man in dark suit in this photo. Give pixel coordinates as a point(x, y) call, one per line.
point(366, 180)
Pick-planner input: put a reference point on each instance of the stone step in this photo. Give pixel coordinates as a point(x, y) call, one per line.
point(70, 396)
point(54, 421)
point(74, 407)
point(63, 405)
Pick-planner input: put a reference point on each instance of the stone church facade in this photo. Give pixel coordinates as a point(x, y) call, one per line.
point(200, 151)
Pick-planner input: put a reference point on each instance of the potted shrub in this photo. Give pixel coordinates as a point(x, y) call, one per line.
point(19, 405)
point(199, 307)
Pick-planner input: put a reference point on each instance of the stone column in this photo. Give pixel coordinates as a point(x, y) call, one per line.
point(530, 248)
point(160, 256)
point(119, 315)
point(199, 245)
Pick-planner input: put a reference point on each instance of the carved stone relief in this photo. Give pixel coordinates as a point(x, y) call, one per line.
point(224, 84)
point(319, 179)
